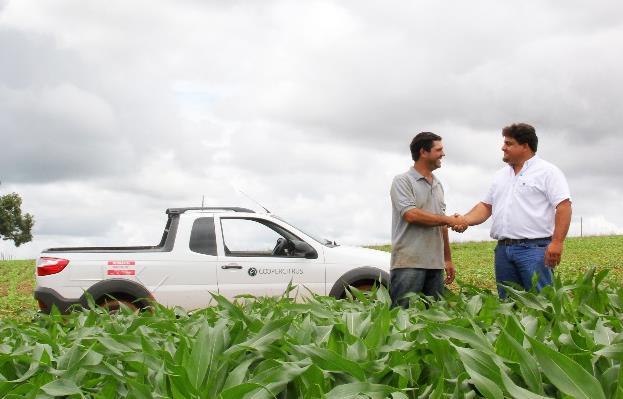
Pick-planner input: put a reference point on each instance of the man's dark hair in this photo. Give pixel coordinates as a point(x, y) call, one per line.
point(422, 140)
point(523, 134)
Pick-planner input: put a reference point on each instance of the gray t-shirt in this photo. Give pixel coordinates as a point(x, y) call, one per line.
point(415, 246)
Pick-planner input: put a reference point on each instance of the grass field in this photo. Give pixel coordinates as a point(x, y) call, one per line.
point(566, 342)
point(473, 260)
point(17, 280)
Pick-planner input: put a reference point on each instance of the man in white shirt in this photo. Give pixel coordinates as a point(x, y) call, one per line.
point(530, 206)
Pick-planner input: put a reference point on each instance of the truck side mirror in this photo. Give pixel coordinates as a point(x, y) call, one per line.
point(304, 250)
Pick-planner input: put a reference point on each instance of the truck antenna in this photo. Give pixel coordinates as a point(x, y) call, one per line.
point(249, 197)
point(202, 199)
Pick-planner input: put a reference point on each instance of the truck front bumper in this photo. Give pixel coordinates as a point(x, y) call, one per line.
point(48, 298)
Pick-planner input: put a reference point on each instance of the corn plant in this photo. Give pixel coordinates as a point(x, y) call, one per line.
point(565, 342)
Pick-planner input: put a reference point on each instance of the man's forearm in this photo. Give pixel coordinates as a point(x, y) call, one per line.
point(478, 214)
point(418, 216)
point(562, 220)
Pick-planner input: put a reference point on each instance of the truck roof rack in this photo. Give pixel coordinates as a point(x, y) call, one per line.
point(177, 211)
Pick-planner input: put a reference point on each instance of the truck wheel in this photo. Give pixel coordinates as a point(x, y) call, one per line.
point(362, 278)
point(364, 286)
point(113, 306)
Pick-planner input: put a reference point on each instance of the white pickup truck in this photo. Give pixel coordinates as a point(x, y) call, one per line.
point(230, 251)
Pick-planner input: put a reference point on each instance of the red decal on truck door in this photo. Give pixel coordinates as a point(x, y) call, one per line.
point(121, 263)
point(121, 272)
point(121, 268)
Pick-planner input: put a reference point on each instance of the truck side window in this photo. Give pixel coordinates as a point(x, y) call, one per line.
point(202, 237)
point(247, 237)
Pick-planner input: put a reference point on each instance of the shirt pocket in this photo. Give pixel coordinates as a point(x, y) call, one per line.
point(527, 187)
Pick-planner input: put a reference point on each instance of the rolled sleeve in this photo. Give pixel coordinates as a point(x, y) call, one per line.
point(402, 195)
point(488, 199)
point(557, 187)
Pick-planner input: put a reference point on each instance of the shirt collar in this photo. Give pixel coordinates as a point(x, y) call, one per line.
point(529, 162)
point(419, 176)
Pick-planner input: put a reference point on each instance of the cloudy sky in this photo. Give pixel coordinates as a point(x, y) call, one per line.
point(110, 112)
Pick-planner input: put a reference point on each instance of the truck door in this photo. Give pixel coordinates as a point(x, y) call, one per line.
point(253, 260)
point(189, 280)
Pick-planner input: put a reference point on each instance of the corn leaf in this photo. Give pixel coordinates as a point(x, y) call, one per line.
point(566, 374)
point(61, 387)
point(356, 389)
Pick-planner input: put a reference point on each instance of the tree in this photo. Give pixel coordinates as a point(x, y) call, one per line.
point(13, 225)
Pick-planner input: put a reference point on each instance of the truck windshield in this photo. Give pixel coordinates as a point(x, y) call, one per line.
point(322, 241)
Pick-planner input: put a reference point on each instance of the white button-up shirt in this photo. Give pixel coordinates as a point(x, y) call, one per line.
point(524, 205)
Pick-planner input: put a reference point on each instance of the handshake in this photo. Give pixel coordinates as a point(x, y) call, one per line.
point(457, 223)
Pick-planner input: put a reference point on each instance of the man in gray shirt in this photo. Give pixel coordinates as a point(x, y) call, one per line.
point(420, 247)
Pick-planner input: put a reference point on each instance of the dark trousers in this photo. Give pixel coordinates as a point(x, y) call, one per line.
point(411, 280)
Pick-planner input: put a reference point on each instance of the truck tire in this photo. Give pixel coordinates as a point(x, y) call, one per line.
point(365, 285)
point(113, 306)
point(110, 293)
point(362, 278)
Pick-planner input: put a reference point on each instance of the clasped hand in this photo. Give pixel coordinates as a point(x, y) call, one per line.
point(457, 223)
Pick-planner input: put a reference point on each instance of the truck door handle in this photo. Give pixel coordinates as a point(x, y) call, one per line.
point(231, 266)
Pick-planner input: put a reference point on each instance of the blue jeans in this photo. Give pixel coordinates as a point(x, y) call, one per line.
point(404, 281)
point(517, 263)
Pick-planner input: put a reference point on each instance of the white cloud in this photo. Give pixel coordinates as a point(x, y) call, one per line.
point(110, 114)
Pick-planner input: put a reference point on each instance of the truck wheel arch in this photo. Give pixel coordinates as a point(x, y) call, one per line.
point(360, 274)
point(122, 289)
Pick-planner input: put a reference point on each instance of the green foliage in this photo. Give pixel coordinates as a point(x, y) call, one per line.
point(468, 345)
point(13, 225)
point(17, 279)
point(565, 342)
point(474, 260)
